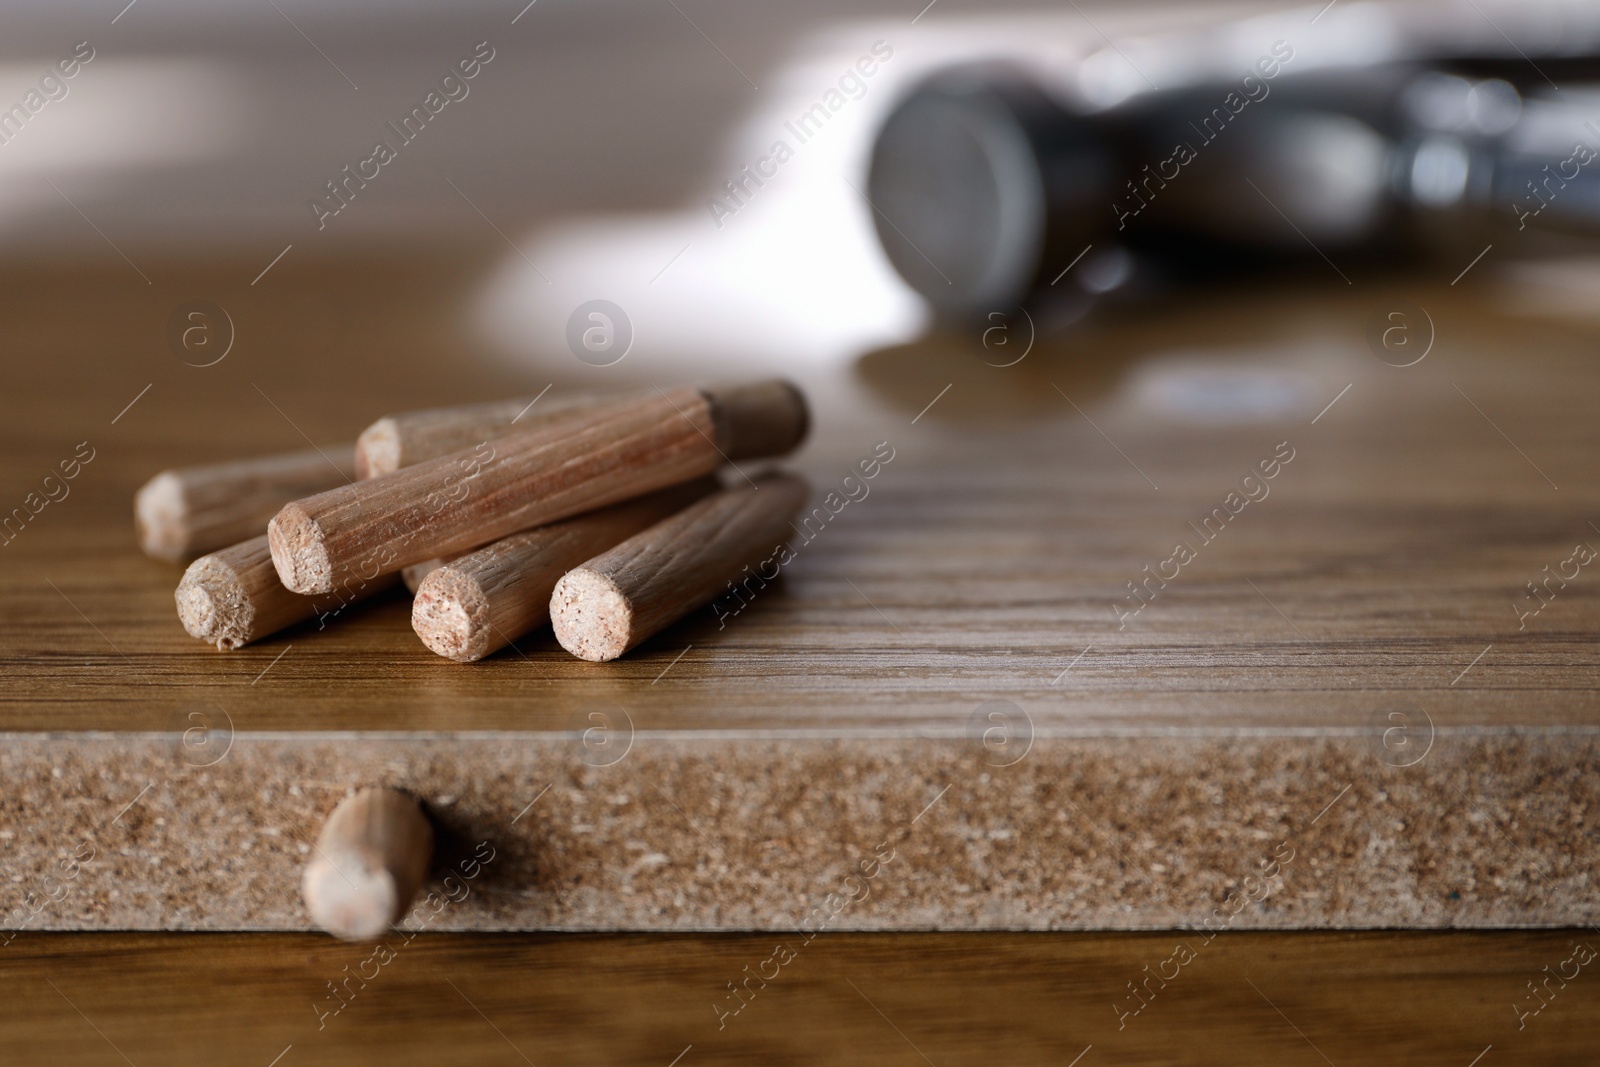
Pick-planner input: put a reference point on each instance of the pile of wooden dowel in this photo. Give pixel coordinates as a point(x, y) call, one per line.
point(603, 516)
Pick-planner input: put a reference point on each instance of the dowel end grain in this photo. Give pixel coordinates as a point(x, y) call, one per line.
point(370, 860)
point(188, 511)
point(160, 515)
point(766, 418)
point(356, 904)
point(213, 604)
point(299, 552)
point(591, 616)
point(451, 615)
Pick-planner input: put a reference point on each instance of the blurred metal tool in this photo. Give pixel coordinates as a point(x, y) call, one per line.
point(991, 194)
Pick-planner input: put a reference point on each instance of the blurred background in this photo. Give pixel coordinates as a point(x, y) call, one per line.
point(577, 166)
point(586, 156)
point(589, 155)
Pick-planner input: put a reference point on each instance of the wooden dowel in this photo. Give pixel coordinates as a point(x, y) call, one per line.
point(483, 601)
point(619, 598)
point(411, 437)
point(526, 479)
point(182, 513)
point(370, 860)
point(233, 597)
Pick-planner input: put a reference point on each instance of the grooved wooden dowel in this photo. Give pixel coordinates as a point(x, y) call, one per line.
point(411, 437)
point(619, 598)
point(233, 597)
point(481, 602)
point(182, 513)
point(371, 858)
point(526, 479)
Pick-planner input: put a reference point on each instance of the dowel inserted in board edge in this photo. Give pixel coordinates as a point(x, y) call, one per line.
point(371, 858)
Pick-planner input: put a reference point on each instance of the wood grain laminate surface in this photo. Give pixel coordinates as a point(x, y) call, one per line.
point(942, 999)
point(993, 550)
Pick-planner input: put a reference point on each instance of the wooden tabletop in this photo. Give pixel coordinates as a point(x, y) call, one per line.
point(944, 999)
point(993, 553)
